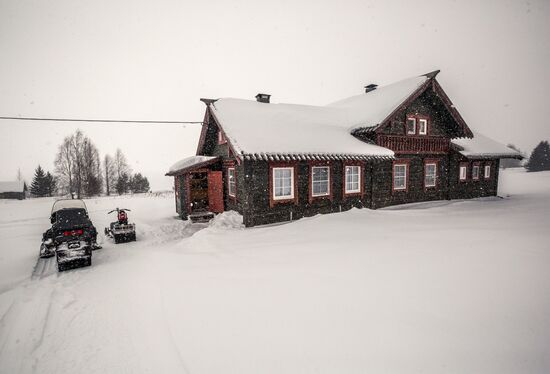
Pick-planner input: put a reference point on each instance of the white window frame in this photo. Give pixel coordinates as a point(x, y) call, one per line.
point(475, 167)
point(350, 191)
point(487, 171)
point(463, 172)
point(283, 197)
point(422, 121)
point(405, 177)
point(231, 182)
point(327, 181)
point(220, 137)
point(407, 126)
point(434, 164)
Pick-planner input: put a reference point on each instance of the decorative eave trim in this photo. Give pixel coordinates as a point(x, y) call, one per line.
point(289, 157)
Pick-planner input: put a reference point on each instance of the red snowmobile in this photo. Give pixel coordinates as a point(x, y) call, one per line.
point(121, 231)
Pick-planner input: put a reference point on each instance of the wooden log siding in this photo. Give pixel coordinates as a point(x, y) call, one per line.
point(414, 144)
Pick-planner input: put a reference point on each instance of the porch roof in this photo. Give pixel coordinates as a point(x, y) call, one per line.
point(190, 163)
point(481, 146)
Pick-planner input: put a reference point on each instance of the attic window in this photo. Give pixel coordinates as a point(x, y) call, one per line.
point(422, 126)
point(221, 137)
point(411, 126)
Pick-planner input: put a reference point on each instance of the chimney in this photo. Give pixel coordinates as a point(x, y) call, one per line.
point(262, 98)
point(370, 87)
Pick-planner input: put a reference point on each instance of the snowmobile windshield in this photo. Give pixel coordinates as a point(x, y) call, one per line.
point(71, 217)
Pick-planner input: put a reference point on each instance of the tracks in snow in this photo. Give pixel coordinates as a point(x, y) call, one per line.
point(44, 267)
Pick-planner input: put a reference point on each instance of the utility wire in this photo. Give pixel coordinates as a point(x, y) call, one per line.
point(98, 120)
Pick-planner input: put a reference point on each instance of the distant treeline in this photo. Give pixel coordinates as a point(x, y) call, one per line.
point(80, 171)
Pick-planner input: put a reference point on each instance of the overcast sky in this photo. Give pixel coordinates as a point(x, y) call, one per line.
point(153, 60)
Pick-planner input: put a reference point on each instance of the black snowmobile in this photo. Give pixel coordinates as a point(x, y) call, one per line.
point(72, 235)
point(120, 230)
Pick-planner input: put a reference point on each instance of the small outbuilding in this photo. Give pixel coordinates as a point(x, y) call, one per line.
point(12, 190)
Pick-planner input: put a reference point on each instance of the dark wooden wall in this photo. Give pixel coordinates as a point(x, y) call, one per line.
point(12, 195)
point(257, 209)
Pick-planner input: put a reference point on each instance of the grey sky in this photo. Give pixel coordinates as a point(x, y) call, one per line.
point(155, 59)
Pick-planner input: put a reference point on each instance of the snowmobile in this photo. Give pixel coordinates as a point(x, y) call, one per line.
point(72, 236)
point(120, 230)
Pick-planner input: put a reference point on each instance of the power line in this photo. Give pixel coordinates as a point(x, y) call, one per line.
point(98, 120)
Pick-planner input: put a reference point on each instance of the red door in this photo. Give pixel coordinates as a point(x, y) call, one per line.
point(215, 191)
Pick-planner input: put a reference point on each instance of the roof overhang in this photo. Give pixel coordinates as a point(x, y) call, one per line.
point(195, 162)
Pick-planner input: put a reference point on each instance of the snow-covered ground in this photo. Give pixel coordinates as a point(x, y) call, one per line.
point(443, 287)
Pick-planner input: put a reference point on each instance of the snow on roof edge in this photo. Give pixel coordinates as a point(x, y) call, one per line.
point(189, 162)
point(482, 146)
point(12, 186)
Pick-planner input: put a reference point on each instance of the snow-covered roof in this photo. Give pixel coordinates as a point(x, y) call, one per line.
point(190, 162)
point(372, 108)
point(68, 204)
point(481, 146)
point(11, 186)
point(287, 131)
point(255, 128)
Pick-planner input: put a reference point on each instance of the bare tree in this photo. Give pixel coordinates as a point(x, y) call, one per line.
point(64, 165)
point(78, 165)
point(91, 168)
point(19, 175)
point(110, 173)
point(121, 165)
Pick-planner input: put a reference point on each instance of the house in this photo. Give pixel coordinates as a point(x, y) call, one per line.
point(12, 190)
point(401, 143)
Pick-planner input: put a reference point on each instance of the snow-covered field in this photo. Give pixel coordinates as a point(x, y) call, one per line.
point(444, 287)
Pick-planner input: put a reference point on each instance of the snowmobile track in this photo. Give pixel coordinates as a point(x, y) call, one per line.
point(44, 267)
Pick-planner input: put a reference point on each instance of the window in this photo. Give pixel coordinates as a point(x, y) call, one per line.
point(463, 172)
point(320, 177)
point(283, 183)
point(475, 171)
point(231, 186)
point(221, 137)
point(422, 126)
point(353, 179)
point(411, 125)
point(430, 174)
point(487, 171)
point(400, 176)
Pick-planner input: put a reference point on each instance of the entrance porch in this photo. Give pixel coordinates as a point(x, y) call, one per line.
point(198, 187)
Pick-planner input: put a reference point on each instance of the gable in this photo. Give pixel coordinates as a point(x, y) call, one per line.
point(428, 105)
point(431, 98)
